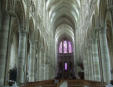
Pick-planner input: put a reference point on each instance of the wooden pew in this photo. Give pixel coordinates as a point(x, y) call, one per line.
point(82, 83)
point(71, 83)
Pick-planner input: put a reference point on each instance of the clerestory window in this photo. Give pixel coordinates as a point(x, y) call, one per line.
point(65, 46)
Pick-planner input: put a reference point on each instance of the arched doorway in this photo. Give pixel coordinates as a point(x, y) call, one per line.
point(65, 57)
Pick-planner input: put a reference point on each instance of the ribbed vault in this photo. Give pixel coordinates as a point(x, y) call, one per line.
point(63, 12)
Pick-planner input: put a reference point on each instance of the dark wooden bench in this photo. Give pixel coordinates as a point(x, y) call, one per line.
point(71, 83)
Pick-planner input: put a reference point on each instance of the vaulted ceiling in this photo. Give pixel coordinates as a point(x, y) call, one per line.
point(74, 13)
point(63, 12)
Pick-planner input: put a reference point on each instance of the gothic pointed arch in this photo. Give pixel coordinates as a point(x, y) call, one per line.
point(20, 12)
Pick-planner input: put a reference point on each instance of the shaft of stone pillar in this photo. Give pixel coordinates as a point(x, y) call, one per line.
point(30, 65)
point(98, 69)
point(44, 66)
point(32, 58)
point(37, 78)
point(100, 57)
point(86, 65)
point(96, 61)
point(93, 57)
point(112, 47)
point(4, 31)
point(92, 61)
point(88, 61)
point(105, 56)
point(36, 67)
point(21, 56)
point(85, 62)
point(40, 56)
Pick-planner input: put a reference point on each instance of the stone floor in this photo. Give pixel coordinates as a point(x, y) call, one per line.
point(64, 84)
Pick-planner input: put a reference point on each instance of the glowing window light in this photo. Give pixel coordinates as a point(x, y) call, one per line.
point(60, 47)
point(70, 47)
point(65, 46)
point(65, 66)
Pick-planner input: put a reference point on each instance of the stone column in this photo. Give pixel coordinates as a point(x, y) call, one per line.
point(92, 59)
point(86, 71)
point(21, 56)
point(105, 55)
point(36, 66)
point(47, 63)
point(89, 61)
point(38, 56)
point(32, 58)
point(40, 67)
point(4, 32)
point(88, 64)
point(110, 8)
point(96, 68)
point(45, 66)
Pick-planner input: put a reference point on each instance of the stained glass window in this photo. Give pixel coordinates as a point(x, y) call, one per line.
point(60, 47)
point(65, 47)
point(70, 47)
point(65, 66)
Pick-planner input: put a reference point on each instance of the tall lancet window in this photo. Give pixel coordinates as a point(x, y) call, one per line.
point(70, 46)
point(65, 46)
point(60, 47)
point(65, 66)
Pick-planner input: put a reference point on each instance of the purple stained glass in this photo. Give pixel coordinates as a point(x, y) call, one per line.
point(65, 66)
point(70, 47)
point(60, 47)
point(65, 46)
